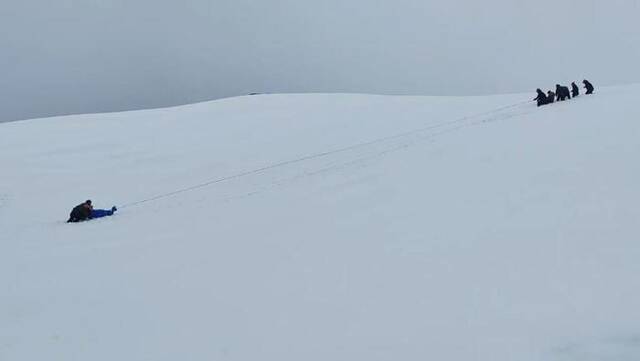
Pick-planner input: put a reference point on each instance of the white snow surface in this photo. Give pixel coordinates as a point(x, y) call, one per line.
point(405, 228)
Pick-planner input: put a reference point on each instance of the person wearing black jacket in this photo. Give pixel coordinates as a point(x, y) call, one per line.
point(81, 212)
point(588, 86)
point(541, 98)
point(574, 90)
point(562, 92)
point(550, 97)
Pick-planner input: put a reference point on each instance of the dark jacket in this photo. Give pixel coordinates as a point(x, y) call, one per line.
point(562, 92)
point(80, 213)
point(550, 96)
point(574, 90)
point(588, 86)
point(541, 98)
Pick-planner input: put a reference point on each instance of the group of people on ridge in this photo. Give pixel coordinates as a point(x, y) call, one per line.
point(85, 211)
point(562, 93)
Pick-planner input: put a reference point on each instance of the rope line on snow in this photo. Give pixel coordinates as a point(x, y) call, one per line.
point(319, 155)
point(373, 155)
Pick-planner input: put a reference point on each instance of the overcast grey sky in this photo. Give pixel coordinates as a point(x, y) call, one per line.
point(77, 56)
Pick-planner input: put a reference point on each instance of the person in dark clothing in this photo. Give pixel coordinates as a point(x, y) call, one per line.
point(566, 92)
point(85, 211)
point(541, 98)
point(558, 93)
point(588, 86)
point(81, 212)
point(550, 97)
point(562, 92)
point(574, 90)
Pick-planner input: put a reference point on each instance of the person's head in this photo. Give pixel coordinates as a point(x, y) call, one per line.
point(87, 203)
point(539, 90)
point(585, 81)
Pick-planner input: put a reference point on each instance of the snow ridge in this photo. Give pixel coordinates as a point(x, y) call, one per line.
point(340, 227)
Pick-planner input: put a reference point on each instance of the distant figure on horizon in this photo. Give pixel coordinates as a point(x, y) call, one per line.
point(541, 98)
point(575, 91)
point(588, 86)
point(562, 92)
point(550, 97)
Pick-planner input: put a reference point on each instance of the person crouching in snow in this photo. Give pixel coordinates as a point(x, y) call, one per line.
point(541, 98)
point(588, 86)
point(551, 96)
point(81, 212)
point(85, 211)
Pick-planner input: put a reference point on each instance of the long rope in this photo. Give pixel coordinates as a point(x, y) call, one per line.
point(377, 154)
point(319, 155)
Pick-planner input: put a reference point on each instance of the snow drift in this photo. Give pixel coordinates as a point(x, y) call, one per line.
point(326, 227)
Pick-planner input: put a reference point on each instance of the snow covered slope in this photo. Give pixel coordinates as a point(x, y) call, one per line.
point(328, 227)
